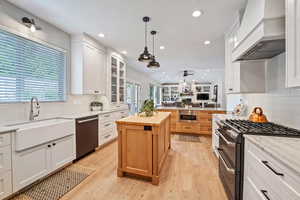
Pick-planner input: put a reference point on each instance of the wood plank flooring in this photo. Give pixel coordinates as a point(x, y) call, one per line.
point(190, 173)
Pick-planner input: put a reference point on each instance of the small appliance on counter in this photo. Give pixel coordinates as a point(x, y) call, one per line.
point(258, 116)
point(96, 106)
point(240, 109)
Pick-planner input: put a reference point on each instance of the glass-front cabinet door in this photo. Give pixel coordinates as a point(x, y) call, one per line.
point(121, 82)
point(114, 80)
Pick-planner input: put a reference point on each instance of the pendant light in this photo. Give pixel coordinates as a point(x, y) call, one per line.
point(145, 56)
point(153, 63)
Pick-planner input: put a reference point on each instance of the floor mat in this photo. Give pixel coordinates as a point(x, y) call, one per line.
point(57, 185)
point(188, 138)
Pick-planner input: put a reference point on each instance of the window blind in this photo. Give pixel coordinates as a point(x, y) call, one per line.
point(28, 69)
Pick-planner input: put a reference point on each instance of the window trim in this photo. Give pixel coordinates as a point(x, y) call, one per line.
point(47, 44)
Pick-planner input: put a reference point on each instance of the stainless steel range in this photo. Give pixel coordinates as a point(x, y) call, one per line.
point(231, 150)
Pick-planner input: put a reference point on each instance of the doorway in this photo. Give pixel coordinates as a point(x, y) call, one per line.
point(133, 97)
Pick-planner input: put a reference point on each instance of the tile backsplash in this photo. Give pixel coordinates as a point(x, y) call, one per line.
point(280, 104)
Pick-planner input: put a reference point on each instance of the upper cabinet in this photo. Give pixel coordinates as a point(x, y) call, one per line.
point(117, 70)
point(88, 66)
point(293, 43)
point(241, 77)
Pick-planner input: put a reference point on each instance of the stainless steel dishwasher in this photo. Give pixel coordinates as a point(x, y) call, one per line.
point(86, 135)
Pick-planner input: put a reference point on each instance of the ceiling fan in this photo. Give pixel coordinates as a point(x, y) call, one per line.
point(188, 73)
point(30, 23)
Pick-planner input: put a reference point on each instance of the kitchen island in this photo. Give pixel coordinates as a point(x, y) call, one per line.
point(143, 145)
point(192, 120)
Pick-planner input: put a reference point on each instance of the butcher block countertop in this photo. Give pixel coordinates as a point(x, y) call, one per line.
point(155, 120)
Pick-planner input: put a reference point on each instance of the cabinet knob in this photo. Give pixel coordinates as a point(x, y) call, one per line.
point(49, 145)
point(230, 89)
point(54, 144)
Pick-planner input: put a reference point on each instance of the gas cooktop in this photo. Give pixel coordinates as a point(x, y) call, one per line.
point(270, 129)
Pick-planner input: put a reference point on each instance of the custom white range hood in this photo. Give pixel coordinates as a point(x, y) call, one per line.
point(262, 31)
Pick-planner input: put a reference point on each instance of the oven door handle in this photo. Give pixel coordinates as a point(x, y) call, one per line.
point(228, 169)
point(223, 137)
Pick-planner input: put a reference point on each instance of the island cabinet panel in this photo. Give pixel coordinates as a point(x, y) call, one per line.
point(137, 150)
point(143, 145)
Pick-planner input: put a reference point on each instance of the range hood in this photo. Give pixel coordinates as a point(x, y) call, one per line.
point(262, 31)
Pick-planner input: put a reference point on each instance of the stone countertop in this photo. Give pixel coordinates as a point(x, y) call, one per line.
point(229, 116)
point(7, 129)
point(193, 108)
point(154, 120)
point(284, 150)
point(90, 113)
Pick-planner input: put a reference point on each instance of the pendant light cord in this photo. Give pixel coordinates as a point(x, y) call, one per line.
point(146, 34)
point(153, 46)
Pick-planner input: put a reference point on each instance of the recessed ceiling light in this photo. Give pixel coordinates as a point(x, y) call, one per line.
point(162, 47)
point(197, 13)
point(101, 35)
point(124, 52)
point(207, 42)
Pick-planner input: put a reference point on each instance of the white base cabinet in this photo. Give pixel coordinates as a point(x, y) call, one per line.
point(5, 184)
point(266, 178)
point(36, 163)
point(107, 126)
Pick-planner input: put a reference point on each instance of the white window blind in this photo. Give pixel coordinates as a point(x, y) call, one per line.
point(28, 69)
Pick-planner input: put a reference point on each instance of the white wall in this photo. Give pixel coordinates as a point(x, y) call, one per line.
point(142, 79)
point(281, 105)
point(10, 18)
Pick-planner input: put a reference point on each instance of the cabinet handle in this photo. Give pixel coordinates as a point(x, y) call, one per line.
point(49, 146)
point(266, 163)
point(54, 144)
point(106, 125)
point(265, 193)
point(227, 142)
point(106, 115)
point(87, 120)
point(107, 136)
point(228, 169)
point(230, 89)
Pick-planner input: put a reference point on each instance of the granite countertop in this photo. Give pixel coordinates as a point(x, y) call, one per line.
point(284, 150)
point(192, 108)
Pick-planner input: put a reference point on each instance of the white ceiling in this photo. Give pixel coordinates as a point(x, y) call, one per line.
point(121, 22)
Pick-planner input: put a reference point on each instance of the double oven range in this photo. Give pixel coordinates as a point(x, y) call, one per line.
point(231, 150)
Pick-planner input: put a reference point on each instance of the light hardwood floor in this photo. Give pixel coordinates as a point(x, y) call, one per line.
point(190, 173)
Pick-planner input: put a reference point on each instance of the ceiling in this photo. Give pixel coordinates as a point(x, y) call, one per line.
point(121, 21)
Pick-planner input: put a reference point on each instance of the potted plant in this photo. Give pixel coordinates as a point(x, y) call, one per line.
point(148, 108)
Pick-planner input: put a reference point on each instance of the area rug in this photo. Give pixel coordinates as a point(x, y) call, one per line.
point(57, 185)
point(188, 138)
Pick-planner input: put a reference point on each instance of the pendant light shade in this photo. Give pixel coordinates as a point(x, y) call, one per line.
point(145, 56)
point(153, 63)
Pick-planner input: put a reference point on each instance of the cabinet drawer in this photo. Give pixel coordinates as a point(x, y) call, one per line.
point(5, 159)
point(263, 165)
point(5, 184)
point(4, 139)
point(105, 126)
point(107, 137)
point(107, 117)
point(188, 127)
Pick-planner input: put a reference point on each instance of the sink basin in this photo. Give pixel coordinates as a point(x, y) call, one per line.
point(34, 133)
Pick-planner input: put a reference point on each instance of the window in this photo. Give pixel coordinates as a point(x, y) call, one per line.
point(155, 93)
point(28, 69)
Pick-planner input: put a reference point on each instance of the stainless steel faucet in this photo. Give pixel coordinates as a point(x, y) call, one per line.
point(32, 115)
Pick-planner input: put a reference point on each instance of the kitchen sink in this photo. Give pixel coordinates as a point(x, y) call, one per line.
point(34, 133)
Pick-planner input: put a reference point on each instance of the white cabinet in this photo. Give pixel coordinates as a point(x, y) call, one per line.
point(117, 78)
point(5, 165)
point(242, 77)
point(107, 126)
point(293, 43)
point(5, 185)
point(63, 152)
point(31, 165)
point(266, 178)
point(88, 66)
point(35, 163)
point(215, 135)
